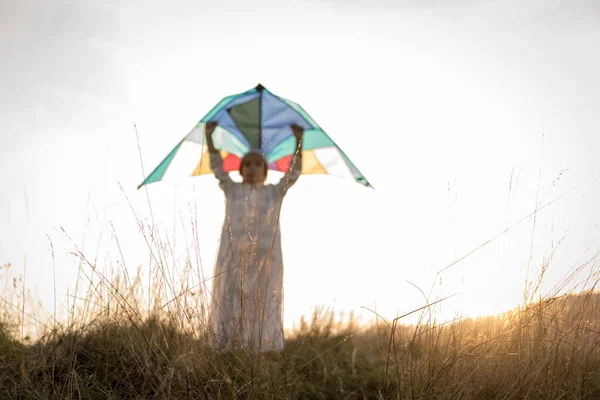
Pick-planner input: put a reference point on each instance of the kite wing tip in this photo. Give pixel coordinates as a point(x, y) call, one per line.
point(363, 181)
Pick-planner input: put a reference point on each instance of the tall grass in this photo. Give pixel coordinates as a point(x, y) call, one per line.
point(547, 349)
point(128, 338)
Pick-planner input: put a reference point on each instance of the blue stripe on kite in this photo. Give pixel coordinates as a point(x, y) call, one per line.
point(277, 116)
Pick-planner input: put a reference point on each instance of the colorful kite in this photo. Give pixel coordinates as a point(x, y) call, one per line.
point(257, 120)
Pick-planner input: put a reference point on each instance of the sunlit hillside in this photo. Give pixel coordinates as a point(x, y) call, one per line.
point(114, 348)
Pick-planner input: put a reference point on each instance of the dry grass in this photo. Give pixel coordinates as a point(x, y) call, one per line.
point(126, 337)
point(548, 350)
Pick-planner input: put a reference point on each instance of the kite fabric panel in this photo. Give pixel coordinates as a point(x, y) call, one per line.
point(257, 121)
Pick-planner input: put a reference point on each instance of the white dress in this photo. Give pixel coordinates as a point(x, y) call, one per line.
point(247, 295)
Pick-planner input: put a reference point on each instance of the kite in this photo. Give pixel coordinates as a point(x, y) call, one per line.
point(259, 121)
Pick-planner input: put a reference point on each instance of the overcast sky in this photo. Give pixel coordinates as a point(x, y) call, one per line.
point(454, 110)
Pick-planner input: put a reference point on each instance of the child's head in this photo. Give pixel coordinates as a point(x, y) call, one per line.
point(253, 168)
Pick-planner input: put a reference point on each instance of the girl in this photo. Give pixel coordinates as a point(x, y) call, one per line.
point(247, 302)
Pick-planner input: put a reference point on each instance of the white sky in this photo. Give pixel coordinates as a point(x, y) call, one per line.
point(438, 104)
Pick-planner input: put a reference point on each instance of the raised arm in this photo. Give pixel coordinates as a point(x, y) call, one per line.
point(216, 161)
point(293, 173)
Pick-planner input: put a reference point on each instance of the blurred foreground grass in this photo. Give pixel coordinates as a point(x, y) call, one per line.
point(548, 350)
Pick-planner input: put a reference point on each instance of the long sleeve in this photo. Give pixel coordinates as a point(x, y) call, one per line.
point(292, 174)
point(216, 164)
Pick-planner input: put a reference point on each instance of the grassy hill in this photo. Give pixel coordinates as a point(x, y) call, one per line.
point(548, 350)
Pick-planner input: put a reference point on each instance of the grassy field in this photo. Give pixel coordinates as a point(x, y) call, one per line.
point(111, 349)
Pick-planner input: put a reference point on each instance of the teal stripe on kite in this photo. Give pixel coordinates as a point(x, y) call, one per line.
point(159, 171)
point(231, 144)
point(216, 109)
point(358, 176)
point(313, 139)
point(301, 111)
point(224, 103)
